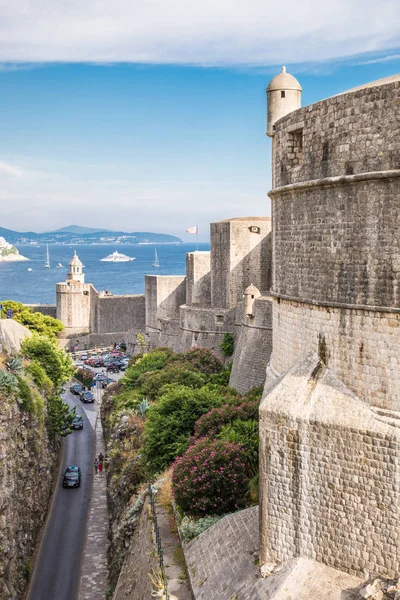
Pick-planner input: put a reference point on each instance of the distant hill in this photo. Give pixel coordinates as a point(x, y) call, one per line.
point(74, 234)
point(77, 229)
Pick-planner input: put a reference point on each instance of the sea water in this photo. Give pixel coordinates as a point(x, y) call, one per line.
point(38, 286)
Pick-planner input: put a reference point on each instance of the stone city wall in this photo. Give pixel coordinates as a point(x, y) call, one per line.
point(253, 345)
point(330, 476)
point(164, 295)
point(362, 346)
point(355, 132)
point(205, 327)
point(49, 310)
point(118, 313)
point(339, 242)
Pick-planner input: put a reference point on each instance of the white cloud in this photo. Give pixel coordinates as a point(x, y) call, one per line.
point(10, 170)
point(201, 32)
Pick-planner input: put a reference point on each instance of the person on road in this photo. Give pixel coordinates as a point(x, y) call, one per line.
point(101, 457)
point(96, 465)
point(101, 468)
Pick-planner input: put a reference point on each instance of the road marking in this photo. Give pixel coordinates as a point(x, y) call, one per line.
point(91, 415)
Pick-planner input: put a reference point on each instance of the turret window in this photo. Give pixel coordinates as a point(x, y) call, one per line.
point(283, 94)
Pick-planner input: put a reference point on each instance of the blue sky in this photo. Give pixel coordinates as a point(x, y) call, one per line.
point(158, 147)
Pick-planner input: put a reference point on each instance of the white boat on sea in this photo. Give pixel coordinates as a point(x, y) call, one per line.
point(59, 266)
point(117, 257)
point(47, 265)
point(156, 262)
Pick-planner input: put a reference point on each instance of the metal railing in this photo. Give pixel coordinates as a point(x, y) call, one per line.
point(166, 595)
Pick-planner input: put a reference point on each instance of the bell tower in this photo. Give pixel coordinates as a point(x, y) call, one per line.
point(75, 273)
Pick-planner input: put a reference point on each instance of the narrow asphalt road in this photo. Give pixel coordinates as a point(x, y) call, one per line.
point(58, 565)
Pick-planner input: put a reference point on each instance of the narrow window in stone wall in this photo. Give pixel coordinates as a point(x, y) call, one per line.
point(283, 94)
point(295, 148)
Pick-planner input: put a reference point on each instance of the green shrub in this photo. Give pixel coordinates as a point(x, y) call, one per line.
point(212, 422)
point(199, 359)
point(223, 377)
point(39, 377)
point(210, 478)
point(170, 422)
point(227, 344)
point(246, 434)
point(34, 321)
point(152, 361)
point(54, 360)
point(152, 383)
point(191, 528)
point(25, 396)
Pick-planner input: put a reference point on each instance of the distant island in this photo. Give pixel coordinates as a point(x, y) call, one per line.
point(74, 234)
point(9, 253)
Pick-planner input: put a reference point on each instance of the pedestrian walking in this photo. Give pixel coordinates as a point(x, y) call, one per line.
point(101, 468)
point(101, 457)
point(96, 465)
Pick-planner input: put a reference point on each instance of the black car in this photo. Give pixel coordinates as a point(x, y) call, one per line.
point(87, 397)
point(77, 423)
point(76, 388)
point(72, 477)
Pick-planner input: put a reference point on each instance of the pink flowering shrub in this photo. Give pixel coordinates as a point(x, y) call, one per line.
point(199, 359)
point(210, 478)
point(85, 376)
point(212, 422)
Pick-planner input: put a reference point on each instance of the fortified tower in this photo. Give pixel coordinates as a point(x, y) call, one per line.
point(330, 417)
point(74, 300)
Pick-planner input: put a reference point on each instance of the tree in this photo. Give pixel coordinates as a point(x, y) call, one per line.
point(34, 321)
point(54, 360)
point(59, 416)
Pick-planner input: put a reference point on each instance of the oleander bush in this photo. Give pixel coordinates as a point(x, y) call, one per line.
point(170, 421)
point(210, 478)
point(246, 434)
point(85, 376)
point(213, 421)
point(152, 383)
point(151, 361)
point(202, 360)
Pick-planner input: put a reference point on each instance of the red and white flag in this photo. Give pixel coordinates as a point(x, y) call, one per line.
point(193, 229)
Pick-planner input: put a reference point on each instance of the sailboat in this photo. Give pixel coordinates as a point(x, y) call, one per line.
point(47, 265)
point(156, 262)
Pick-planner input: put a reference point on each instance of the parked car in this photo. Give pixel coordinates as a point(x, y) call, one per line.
point(106, 381)
point(72, 476)
point(84, 356)
point(77, 423)
point(87, 397)
point(76, 389)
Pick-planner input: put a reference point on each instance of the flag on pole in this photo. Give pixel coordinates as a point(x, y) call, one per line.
point(193, 229)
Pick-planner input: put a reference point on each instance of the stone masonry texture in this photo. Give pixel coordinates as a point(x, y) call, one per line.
point(362, 346)
point(253, 346)
point(329, 428)
point(330, 475)
point(222, 564)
